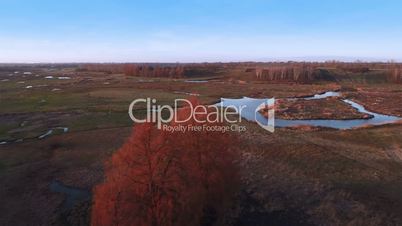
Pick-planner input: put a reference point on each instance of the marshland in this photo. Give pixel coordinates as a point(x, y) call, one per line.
point(56, 135)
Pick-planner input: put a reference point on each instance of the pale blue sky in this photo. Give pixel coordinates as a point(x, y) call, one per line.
point(199, 30)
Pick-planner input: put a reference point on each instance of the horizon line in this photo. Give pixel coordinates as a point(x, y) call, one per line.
point(311, 59)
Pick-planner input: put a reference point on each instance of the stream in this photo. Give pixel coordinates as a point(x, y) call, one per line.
point(250, 113)
point(50, 132)
point(72, 195)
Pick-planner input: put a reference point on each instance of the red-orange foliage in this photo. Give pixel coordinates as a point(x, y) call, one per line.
point(160, 178)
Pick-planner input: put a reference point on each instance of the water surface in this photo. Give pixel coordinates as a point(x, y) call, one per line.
point(72, 195)
point(196, 81)
point(251, 105)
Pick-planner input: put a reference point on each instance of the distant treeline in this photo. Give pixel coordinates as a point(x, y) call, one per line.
point(11, 67)
point(300, 72)
point(287, 73)
point(156, 70)
point(329, 71)
point(395, 74)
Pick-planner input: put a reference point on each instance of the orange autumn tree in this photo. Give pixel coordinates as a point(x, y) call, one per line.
point(161, 178)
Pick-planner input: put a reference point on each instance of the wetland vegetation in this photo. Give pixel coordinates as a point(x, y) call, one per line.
point(56, 135)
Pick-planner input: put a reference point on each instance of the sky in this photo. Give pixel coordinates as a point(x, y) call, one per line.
point(199, 30)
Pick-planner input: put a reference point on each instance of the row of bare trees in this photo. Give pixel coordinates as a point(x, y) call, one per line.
point(308, 72)
point(143, 70)
point(395, 74)
point(163, 178)
point(358, 67)
point(153, 71)
point(286, 73)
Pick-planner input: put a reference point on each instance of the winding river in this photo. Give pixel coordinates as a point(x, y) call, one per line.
point(250, 113)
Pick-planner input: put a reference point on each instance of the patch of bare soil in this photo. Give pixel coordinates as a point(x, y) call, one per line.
point(394, 153)
point(292, 176)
